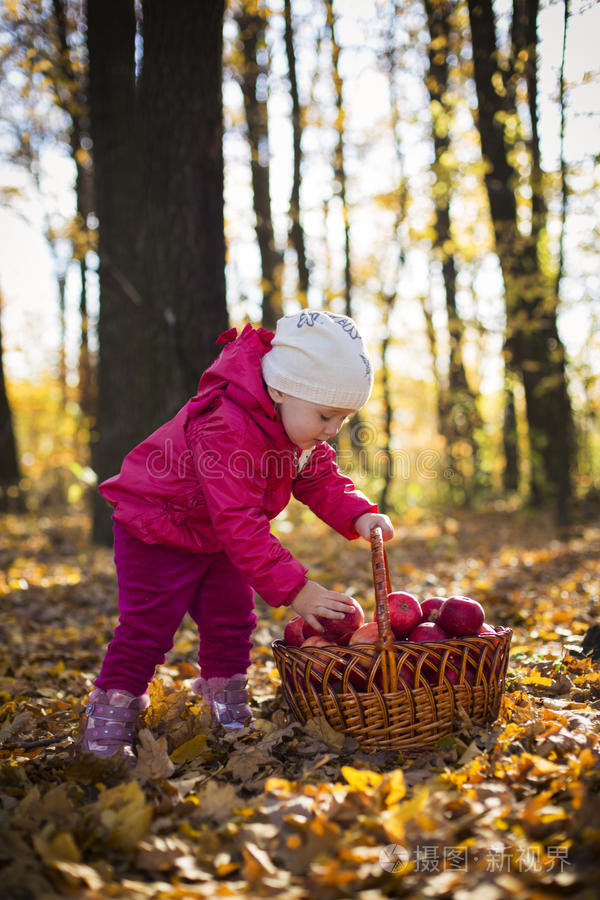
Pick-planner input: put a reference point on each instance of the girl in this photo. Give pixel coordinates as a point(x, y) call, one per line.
point(192, 505)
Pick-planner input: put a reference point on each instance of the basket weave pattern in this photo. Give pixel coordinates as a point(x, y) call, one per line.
point(395, 695)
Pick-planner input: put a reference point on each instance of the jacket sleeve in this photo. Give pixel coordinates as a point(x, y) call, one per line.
point(329, 494)
point(228, 468)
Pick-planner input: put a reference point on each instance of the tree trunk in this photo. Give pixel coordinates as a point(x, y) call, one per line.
point(181, 114)
point(461, 416)
point(252, 25)
point(510, 474)
point(296, 230)
point(121, 414)
point(162, 278)
point(9, 465)
point(74, 103)
point(385, 452)
point(533, 346)
point(86, 367)
point(339, 165)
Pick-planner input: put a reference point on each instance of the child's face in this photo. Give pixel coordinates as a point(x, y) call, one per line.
point(306, 423)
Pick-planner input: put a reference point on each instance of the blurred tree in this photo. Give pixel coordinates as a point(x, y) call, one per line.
point(121, 412)
point(251, 17)
point(395, 253)
point(339, 188)
point(459, 416)
point(159, 198)
point(181, 146)
point(69, 76)
point(44, 73)
point(510, 473)
point(296, 235)
point(339, 163)
point(9, 465)
point(533, 347)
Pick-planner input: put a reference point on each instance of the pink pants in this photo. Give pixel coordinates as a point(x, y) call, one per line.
point(157, 587)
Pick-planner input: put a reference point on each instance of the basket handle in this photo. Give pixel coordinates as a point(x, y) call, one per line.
point(381, 580)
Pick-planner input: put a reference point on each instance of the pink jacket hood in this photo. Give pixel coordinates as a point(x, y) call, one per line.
point(237, 375)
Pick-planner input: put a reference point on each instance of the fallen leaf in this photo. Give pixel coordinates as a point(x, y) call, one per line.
point(152, 758)
point(121, 816)
point(216, 801)
point(319, 728)
point(189, 750)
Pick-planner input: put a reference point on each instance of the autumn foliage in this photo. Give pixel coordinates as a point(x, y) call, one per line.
point(290, 810)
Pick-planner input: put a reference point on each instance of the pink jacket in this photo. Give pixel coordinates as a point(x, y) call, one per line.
point(210, 479)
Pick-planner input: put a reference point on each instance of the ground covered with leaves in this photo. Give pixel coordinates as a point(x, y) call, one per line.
point(290, 810)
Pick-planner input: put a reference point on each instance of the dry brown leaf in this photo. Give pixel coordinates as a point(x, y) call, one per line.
point(152, 758)
point(319, 728)
point(216, 801)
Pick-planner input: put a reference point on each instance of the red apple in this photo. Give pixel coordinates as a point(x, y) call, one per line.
point(319, 665)
point(405, 613)
point(292, 633)
point(366, 634)
point(335, 628)
point(406, 673)
point(344, 640)
point(316, 640)
point(427, 631)
point(433, 675)
point(461, 616)
point(487, 629)
point(431, 607)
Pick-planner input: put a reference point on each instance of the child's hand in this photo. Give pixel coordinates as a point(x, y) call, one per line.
point(366, 522)
point(314, 600)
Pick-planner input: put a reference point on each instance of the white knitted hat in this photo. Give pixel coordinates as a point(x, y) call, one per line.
point(321, 357)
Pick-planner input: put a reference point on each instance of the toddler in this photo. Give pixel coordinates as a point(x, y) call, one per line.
point(192, 505)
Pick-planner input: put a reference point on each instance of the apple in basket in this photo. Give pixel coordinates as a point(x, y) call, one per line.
point(432, 674)
point(431, 607)
point(470, 674)
point(460, 616)
point(427, 631)
point(292, 633)
point(487, 663)
point(316, 640)
point(319, 666)
point(336, 628)
point(366, 634)
point(405, 613)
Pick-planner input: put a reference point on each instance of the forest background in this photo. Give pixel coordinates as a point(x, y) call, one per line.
point(429, 167)
point(354, 180)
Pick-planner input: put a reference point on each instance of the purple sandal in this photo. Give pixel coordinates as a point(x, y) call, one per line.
point(110, 724)
point(228, 699)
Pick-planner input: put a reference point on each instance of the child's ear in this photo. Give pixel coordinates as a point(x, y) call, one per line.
point(275, 395)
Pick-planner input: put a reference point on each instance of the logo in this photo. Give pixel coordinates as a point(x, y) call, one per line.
point(394, 858)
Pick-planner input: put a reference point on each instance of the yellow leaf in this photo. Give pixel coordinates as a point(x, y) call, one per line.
point(394, 787)
point(124, 815)
point(280, 784)
point(393, 819)
point(542, 766)
point(542, 680)
point(62, 847)
point(362, 779)
point(190, 750)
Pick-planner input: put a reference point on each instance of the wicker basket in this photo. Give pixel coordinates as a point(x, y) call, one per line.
point(395, 695)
